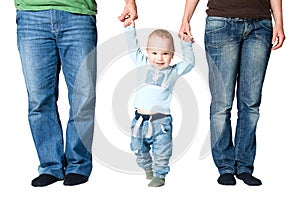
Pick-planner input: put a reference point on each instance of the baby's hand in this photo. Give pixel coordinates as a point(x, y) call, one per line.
point(185, 37)
point(129, 22)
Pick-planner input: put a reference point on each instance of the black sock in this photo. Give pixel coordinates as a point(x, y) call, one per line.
point(75, 179)
point(249, 179)
point(226, 179)
point(44, 180)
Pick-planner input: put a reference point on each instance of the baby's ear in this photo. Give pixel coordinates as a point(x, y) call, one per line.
point(147, 51)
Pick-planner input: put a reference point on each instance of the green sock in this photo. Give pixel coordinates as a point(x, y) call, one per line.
point(157, 182)
point(149, 174)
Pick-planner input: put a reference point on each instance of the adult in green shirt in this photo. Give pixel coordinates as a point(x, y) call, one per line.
point(54, 35)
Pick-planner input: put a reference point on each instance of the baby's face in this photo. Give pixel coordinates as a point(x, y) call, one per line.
point(160, 52)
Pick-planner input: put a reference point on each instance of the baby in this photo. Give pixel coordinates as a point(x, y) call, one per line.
point(152, 124)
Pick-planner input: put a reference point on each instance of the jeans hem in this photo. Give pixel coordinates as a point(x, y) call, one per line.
point(57, 175)
point(244, 171)
point(159, 176)
point(226, 172)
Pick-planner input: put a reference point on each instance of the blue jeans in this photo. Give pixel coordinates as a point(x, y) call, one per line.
point(237, 52)
point(49, 41)
point(160, 138)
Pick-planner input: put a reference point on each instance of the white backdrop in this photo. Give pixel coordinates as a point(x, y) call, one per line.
point(277, 159)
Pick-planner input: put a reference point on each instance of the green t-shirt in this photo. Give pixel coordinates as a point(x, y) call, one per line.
point(88, 7)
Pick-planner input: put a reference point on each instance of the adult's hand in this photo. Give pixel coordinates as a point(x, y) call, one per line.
point(278, 33)
point(278, 37)
point(185, 30)
point(129, 12)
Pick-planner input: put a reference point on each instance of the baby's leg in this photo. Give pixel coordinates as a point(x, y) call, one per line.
point(141, 145)
point(143, 157)
point(162, 151)
point(144, 160)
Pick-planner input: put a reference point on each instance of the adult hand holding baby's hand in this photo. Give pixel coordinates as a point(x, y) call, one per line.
point(129, 22)
point(129, 12)
point(185, 37)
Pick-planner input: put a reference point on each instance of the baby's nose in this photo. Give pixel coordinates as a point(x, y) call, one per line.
point(159, 56)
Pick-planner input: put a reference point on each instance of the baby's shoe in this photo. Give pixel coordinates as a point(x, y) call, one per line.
point(157, 182)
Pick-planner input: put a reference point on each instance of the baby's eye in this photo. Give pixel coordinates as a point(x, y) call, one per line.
point(154, 53)
point(166, 53)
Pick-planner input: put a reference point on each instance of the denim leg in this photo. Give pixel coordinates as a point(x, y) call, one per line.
point(222, 51)
point(141, 145)
point(47, 39)
point(162, 146)
point(237, 51)
point(41, 66)
point(255, 53)
point(76, 41)
point(143, 156)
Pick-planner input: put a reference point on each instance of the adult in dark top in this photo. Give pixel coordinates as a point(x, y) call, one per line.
point(255, 9)
point(239, 37)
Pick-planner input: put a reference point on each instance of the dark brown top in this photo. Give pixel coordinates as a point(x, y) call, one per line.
point(253, 9)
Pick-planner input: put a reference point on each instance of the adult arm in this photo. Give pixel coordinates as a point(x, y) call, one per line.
point(278, 33)
point(129, 12)
point(190, 6)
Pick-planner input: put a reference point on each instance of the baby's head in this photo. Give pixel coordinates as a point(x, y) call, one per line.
point(160, 48)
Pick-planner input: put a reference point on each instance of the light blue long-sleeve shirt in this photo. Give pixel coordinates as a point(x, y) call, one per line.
point(154, 92)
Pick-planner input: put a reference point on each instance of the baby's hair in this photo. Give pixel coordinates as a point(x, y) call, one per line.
point(164, 34)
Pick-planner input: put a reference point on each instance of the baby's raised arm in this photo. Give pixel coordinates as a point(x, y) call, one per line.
point(135, 52)
point(188, 62)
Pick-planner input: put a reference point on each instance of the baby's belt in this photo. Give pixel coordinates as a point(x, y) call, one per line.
point(151, 118)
